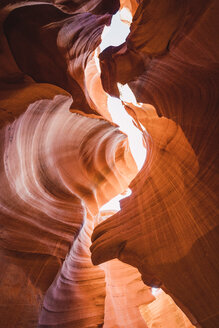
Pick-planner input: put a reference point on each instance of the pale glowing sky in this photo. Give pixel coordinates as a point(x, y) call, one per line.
point(114, 204)
point(125, 122)
point(155, 291)
point(114, 35)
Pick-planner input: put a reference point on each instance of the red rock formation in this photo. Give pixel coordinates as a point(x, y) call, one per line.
point(124, 296)
point(163, 312)
point(76, 297)
point(60, 162)
point(174, 203)
point(52, 46)
point(49, 161)
point(167, 232)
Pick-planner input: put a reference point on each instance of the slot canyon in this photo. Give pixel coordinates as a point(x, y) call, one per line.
point(109, 163)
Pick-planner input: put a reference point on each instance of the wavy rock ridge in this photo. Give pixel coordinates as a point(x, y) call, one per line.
point(62, 158)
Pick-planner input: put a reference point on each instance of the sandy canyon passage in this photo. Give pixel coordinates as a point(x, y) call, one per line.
point(84, 123)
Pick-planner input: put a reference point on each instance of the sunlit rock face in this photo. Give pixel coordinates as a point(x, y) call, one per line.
point(163, 312)
point(57, 179)
point(176, 188)
point(69, 149)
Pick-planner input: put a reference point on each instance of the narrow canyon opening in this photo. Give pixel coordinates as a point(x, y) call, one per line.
point(108, 166)
point(114, 35)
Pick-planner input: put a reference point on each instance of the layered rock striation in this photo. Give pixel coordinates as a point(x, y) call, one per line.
point(63, 157)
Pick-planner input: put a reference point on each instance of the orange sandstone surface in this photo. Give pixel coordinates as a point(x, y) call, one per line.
point(75, 120)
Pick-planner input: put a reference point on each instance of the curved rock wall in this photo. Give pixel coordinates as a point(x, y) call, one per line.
point(62, 158)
